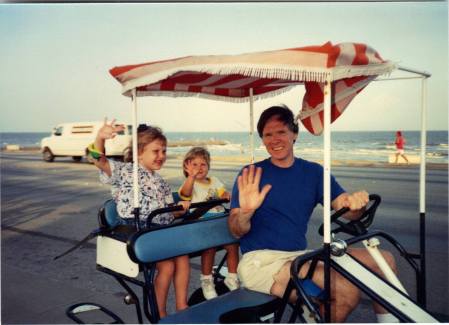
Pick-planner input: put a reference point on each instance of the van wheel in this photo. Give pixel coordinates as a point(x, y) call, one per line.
point(47, 155)
point(127, 155)
point(77, 158)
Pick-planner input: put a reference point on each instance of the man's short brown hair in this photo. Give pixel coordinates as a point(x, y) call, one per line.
point(283, 114)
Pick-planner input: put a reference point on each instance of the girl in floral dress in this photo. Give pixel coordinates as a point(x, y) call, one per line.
point(154, 193)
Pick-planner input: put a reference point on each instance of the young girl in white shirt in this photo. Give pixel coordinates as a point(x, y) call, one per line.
point(198, 187)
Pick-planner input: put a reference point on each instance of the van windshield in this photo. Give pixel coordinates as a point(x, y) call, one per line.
point(129, 127)
point(58, 130)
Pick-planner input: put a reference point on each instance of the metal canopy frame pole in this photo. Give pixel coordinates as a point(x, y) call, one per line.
point(251, 124)
point(327, 162)
point(136, 204)
point(421, 290)
point(422, 299)
point(421, 73)
point(327, 197)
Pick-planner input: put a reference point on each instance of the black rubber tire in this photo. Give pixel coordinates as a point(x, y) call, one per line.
point(77, 158)
point(47, 155)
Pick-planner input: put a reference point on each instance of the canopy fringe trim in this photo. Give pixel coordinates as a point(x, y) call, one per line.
point(259, 71)
point(174, 94)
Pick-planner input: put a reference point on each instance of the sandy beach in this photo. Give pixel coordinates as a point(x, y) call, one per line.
point(47, 207)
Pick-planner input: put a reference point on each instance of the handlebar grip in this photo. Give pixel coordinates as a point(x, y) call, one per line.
point(364, 220)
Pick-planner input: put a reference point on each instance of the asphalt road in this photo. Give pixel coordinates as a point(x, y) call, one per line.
point(47, 207)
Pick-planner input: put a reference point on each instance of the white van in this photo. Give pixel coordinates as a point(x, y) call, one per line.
point(72, 139)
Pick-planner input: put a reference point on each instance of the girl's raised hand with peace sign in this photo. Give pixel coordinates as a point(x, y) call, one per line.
point(109, 130)
point(191, 169)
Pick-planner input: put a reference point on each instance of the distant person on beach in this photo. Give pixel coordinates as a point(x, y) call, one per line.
point(157, 194)
point(271, 204)
point(400, 142)
point(199, 187)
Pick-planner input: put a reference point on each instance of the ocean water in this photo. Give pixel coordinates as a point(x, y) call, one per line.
point(348, 145)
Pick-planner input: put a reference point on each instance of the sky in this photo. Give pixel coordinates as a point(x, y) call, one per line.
point(55, 59)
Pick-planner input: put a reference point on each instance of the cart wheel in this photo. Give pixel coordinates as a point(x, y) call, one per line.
point(77, 158)
point(74, 311)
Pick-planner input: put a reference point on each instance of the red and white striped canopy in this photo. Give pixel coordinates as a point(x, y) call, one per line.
point(349, 66)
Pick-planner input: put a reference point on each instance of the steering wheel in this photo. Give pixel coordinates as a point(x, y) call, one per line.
point(200, 209)
point(160, 211)
point(354, 227)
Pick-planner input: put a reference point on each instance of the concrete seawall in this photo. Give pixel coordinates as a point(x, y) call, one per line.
point(181, 143)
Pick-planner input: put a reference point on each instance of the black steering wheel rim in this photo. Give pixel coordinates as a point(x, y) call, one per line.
point(201, 208)
point(354, 227)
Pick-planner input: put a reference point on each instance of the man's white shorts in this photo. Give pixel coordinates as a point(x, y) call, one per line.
point(257, 269)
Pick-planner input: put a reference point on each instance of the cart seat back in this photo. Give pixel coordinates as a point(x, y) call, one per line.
point(152, 245)
point(112, 251)
point(108, 215)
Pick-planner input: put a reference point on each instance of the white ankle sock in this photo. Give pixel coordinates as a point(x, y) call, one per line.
point(386, 318)
point(205, 277)
point(232, 275)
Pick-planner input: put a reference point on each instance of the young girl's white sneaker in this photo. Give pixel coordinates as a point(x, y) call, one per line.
point(208, 287)
point(232, 281)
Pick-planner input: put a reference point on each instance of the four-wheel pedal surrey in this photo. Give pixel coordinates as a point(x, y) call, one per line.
point(332, 75)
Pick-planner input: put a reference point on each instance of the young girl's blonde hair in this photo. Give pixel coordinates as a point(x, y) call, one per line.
point(145, 135)
point(193, 153)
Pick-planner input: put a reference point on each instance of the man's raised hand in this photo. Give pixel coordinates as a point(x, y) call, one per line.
point(250, 197)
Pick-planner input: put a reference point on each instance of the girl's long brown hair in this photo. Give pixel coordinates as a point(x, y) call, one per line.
point(144, 137)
